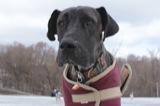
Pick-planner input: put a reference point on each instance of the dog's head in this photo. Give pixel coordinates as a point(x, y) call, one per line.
point(79, 31)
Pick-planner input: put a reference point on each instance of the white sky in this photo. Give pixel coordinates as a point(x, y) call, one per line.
point(25, 21)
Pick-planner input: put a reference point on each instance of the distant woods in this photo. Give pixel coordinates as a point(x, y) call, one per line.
point(146, 75)
point(29, 68)
point(33, 69)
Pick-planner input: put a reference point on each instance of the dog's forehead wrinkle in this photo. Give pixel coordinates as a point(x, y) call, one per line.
point(88, 14)
point(80, 12)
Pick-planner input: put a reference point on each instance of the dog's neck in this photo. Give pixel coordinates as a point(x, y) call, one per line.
point(101, 64)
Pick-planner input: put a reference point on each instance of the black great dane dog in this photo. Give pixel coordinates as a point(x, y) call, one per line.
point(79, 31)
point(80, 35)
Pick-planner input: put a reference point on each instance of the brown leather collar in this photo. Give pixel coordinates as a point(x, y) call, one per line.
point(82, 77)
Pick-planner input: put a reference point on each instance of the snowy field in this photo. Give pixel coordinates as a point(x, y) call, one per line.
point(50, 101)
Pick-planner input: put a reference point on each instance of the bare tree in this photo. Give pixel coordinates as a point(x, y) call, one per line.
point(32, 69)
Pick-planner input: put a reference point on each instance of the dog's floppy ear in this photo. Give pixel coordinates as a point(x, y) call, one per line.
point(52, 25)
point(109, 26)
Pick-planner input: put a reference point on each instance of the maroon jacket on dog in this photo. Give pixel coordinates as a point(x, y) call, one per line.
point(101, 90)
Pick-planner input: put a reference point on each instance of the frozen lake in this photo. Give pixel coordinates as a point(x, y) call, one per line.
point(51, 101)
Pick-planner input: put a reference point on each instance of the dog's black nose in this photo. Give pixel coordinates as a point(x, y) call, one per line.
point(67, 45)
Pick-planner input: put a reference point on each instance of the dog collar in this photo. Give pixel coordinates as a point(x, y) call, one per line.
point(98, 68)
point(82, 77)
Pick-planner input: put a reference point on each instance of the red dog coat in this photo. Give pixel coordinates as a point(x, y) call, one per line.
point(101, 90)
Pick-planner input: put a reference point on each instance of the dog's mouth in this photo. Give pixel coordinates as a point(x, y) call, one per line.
point(79, 66)
point(82, 60)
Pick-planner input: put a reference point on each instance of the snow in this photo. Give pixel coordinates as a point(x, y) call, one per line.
point(51, 101)
point(29, 101)
point(141, 102)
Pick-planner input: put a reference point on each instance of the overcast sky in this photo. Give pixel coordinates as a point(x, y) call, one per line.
point(25, 21)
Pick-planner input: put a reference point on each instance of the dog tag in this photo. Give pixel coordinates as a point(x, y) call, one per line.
point(79, 79)
point(76, 86)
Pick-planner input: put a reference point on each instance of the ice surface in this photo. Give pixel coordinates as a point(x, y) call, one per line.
point(51, 101)
point(29, 101)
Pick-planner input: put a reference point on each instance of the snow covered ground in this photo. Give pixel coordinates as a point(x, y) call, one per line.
point(51, 101)
point(141, 102)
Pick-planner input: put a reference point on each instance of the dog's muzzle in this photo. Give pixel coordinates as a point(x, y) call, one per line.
point(68, 45)
point(71, 52)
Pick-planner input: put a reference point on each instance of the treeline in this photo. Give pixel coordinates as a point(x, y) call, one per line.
point(30, 69)
point(146, 75)
point(33, 69)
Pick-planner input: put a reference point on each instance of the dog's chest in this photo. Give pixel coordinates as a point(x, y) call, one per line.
point(99, 87)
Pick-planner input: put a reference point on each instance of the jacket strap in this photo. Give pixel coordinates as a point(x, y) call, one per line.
point(126, 75)
point(97, 96)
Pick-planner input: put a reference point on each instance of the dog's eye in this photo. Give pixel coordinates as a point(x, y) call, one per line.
point(89, 22)
point(61, 23)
